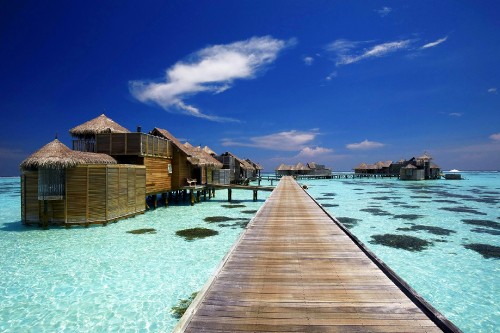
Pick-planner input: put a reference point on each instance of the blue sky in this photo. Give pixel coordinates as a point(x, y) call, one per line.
point(334, 82)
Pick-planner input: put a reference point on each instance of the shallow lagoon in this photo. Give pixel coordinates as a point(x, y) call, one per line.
point(459, 281)
point(105, 278)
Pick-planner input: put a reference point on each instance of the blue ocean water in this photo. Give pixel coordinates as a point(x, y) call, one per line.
point(461, 283)
point(105, 279)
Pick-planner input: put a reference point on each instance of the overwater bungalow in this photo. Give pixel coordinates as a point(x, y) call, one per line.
point(204, 164)
point(420, 168)
point(240, 170)
point(66, 187)
point(84, 135)
point(310, 169)
point(110, 172)
point(103, 135)
point(185, 165)
point(379, 168)
point(258, 168)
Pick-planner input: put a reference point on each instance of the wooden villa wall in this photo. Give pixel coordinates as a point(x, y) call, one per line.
point(181, 169)
point(158, 180)
point(204, 175)
point(209, 175)
point(101, 193)
point(94, 194)
point(29, 197)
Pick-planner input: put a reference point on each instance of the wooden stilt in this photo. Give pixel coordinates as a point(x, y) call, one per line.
point(229, 194)
point(198, 195)
point(191, 194)
point(254, 195)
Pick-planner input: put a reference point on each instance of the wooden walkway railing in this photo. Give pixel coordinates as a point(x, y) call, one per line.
point(296, 270)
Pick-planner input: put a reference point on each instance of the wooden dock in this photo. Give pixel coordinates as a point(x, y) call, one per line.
point(296, 269)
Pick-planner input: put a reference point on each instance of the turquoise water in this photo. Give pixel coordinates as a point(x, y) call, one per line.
point(459, 282)
point(105, 279)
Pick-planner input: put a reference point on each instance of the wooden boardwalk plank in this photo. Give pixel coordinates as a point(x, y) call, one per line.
point(296, 270)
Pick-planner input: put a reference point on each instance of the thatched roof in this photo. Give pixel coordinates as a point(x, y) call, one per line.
point(56, 155)
point(361, 166)
point(409, 166)
point(425, 157)
point(257, 166)
point(101, 124)
point(163, 133)
point(282, 167)
point(203, 158)
point(301, 167)
point(207, 150)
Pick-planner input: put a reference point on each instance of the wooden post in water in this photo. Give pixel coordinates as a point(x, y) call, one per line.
point(191, 194)
point(229, 194)
point(254, 195)
point(198, 194)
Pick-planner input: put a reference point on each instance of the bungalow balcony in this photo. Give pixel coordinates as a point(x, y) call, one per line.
point(134, 144)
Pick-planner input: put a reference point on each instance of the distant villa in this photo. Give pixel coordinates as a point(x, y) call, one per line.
point(309, 169)
point(111, 171)
point(416, 168)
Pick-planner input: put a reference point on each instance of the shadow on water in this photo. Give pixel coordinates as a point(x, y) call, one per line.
point(18, 226)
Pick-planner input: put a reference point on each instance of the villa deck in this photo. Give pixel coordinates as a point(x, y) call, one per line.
point(296, 270)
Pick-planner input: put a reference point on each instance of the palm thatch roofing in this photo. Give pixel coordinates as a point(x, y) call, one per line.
point(425, 157)
point(101, 124)
point(56, 155)
point(435, 166)
point(207, 150)
point(361, 166)
point(301, 167)
point(282, 167)
point(257, 166)
point(409, 166)
point(204, 158)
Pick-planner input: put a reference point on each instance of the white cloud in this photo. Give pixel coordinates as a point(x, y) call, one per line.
point(493, 90)
point(439, 41)
point(384, 11)
point(308, 152)
point(282, 141)
point(212, 69)
point(495, 137)
point(364, 145)
point(349, 52)
point(308, 60)
point(456, 114)
point(331, 76)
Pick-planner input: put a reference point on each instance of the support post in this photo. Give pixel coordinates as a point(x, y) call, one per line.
point(229, 194)
point(191, 194)
point(254, 195)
